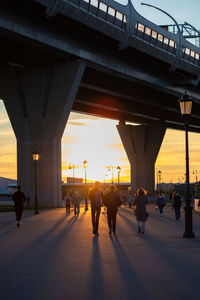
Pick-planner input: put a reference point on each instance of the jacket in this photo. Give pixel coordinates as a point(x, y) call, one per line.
point(160, 201)
point(19, 198)
point(112, 201)
point(141, 201)
point(95, 196)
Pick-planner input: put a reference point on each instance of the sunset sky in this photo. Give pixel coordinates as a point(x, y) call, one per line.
point(97, 140)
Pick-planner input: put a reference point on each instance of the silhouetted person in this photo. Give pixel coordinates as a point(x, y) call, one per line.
point(76, 201)
point(95, 195)
point(112, 201)
point(130, 198)
point(141, 201)
point(177, 205)
point(67, 200)
point(171, 199)
point(160, 203)
point(124, 198)
point(19, 198)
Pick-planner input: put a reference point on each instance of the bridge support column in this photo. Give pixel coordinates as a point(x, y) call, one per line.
point(38, 102)
point(142, 145)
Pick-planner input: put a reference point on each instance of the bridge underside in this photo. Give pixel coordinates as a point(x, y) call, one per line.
point(113, 97)
point(106, 94)
point(126, 85)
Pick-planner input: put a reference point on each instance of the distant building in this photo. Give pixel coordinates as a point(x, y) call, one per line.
point(4, 194)
point(6, 181)
point(164, 187)
point(74, 180)
point(181, 188)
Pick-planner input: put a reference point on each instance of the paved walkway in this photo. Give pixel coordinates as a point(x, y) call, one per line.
point(55, 257)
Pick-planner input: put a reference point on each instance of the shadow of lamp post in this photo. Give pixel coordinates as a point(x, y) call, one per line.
point(35, 158)
point(186, 109)
point(86, 200)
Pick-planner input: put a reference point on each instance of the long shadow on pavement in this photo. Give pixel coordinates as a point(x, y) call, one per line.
point(96, 290)
point(129, 277)
point(39, 264)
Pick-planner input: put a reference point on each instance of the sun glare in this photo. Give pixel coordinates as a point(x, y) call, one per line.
point(97, 141)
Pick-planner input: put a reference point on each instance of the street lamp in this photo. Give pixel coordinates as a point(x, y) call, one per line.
point(85, 167)
point(36, 158)
point(186, 109)
point(195, 172)
point(156, 183)
point(118, 173)
point(109, 169)
point(71, 166)
point(159, 176)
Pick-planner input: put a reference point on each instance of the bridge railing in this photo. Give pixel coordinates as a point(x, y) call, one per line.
point(102, 9)
point(130, 24)
point(166, 40)
point(107, 10)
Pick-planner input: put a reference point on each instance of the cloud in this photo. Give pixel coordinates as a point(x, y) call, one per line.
point(74, 123)
point(5, 121)
point(78, 116)
point(7, 132)
point(116, 146)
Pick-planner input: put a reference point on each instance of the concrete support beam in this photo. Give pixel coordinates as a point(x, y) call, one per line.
point(38, 102)
point(142, 145)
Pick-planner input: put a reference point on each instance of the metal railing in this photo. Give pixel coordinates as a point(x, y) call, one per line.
point(131, 24)
point(166, 43)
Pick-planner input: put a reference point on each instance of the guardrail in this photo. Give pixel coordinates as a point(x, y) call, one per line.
point(131, 24)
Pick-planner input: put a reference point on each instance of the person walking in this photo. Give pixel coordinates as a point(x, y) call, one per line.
point(95, 196)
point(123, 198)
point(160, 203)
point(141, 200)
point(76, 202)
point(19, 199)
point(67, 200)
point(177, 205)
point(171, 199)
point(130, 198)
point(112, 201)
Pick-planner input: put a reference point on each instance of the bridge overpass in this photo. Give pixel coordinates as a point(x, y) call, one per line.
point(97, 57)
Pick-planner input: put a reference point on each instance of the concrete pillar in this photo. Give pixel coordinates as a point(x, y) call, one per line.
point(142, 144)
point(38, 102)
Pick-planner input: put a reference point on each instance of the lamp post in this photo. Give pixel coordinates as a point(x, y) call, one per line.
point(159, 176)
point(109, 169)
point(105, 177)
point(118, 173)
point(156, 183)
point(195, 172)
point(85, 167)
point(36, 158)
point(186, 109)
point(71, 166)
